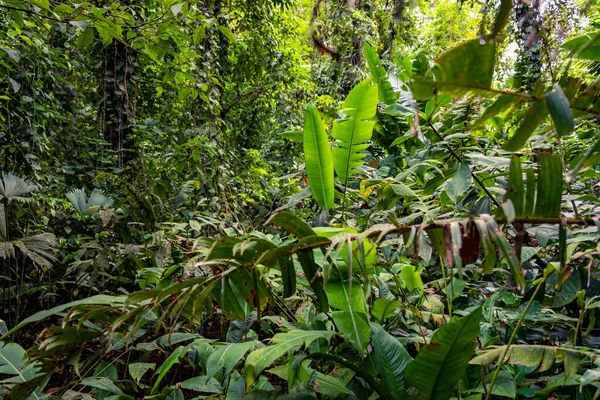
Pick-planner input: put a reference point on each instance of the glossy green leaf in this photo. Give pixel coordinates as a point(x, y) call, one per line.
point(342, 295)
point(586, 47)
point(434, 373)
point(559, 108)
point(391, 359)
point(384, 308)
point(353, 325)
point(318, 159)
point(354, 129)
point(411, 277)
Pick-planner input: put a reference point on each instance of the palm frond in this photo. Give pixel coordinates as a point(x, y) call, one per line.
point(13, 187)
point(40, 249)
point(87, 206)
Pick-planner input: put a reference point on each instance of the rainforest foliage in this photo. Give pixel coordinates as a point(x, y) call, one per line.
point(300, 199)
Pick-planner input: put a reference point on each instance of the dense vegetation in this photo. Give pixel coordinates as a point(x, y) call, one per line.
point(260, 199)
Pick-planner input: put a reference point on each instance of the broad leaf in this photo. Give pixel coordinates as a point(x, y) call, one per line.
point(433, 374)
point(354, 129)
point(354, 326)
point(318, 159)
point(391, 359)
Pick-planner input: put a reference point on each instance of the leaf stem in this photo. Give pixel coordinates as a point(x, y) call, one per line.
point(514, 334)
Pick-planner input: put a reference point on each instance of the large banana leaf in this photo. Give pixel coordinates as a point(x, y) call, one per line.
point(318, 159)
point(354, 130)
point(433, 374)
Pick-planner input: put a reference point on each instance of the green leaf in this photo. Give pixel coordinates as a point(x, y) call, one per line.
point(502, 104)
point(318, 159)
point(85, 38)
point(227, 32)
point(294, 136)
point(550, 185)
point(515, 189)
point(226, 356)
point(343, 296)
point(501, 18)
point(43, 4)
point(176, 8)
point(354, 326)
point(198, 35)
point(384, 308)
point(505, 386)
point(591, 52)
point(291, 223)
point(101, 299)
point(283, 343)
point(559, 108)
point(166, 366)
point(380, 77)
point(434, 373)
point(460, 182)
point(13, 362)
point(468, 67)
point(15, 55)
point(391, 359)
point(137, 370)
point(592, 157)
point(311, 272)
point(354, 129)
point(102, 383)
point(411, 277)
point(202, 384)
point(508, 253)
point(536, 114)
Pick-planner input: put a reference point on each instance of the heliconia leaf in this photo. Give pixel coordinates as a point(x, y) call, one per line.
point(288, 275)
point(559, 108)
point(536, 114)
point(380, 77)
point(391, 359)
point(434, 373)
point(550, 185)
point(384, 308)
point(318, 159)
point(291, 223)
point(354, 130)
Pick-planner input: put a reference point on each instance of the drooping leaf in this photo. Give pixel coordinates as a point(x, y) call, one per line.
point(433, 374)
point(550, 185)
point(586, 47)
point(318, 159)
point(282, 343)
point(166, 367)
point(311, 272)
point(536, 114)
point(515, 189)
point(502, 104)
point(508, 252)
point(559, 108)
point(137, 370)
point(354, 129)
point(392, 359)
